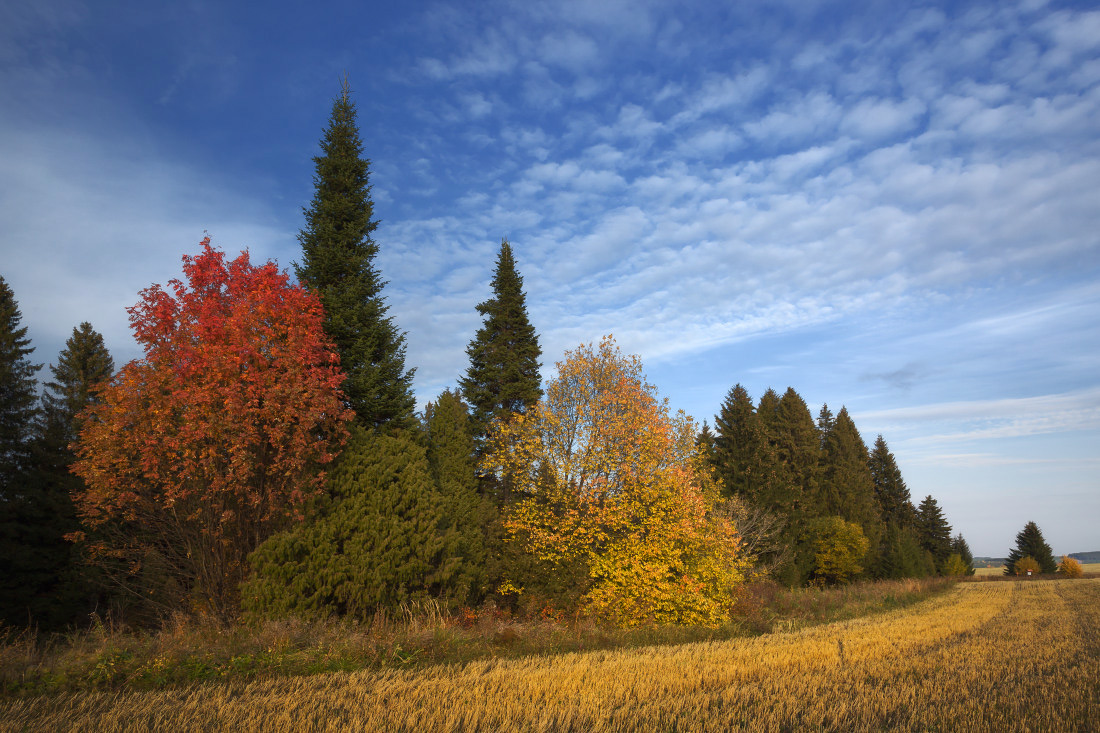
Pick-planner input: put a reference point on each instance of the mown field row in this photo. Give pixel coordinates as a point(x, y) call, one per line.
point(1014, 656)
point(1088, 568)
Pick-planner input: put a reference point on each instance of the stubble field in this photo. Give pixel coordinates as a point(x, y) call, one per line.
point(1089, 568)
point(1011, 656)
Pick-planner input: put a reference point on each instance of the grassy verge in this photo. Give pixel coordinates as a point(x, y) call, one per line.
point(186, 652)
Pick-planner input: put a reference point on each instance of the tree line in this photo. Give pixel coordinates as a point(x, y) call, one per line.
point(832, 510)
point(264, 457)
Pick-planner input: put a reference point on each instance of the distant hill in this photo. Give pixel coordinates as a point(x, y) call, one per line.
point(1086, 556)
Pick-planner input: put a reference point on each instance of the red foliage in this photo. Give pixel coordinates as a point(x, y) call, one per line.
point(214, 439)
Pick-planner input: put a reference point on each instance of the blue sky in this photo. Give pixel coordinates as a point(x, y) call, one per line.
point(888, 208)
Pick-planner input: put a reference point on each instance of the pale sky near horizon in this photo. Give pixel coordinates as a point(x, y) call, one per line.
point(891, 207)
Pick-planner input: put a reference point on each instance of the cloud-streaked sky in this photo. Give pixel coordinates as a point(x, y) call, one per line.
point(889, 208)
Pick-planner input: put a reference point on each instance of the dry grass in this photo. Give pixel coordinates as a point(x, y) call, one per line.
point(1014, 656)
point(186, 652)
point(1090, 569)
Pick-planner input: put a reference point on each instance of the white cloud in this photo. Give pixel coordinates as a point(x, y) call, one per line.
point(88, 225)
point(980, 420)
point(801, 120)
point(712, 144)
point(488, 55)
point(477, 106)
point(875, 119)
point(1073, 32)
point(570, 50)
point(720, 93)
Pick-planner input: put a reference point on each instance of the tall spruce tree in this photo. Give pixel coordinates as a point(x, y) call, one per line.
point(17, 396)
point(338, 263)
point(18, 413)
point(826, 420)
point(771, 489)
point(792, 488)
point(1030, 543)
point(84, 364)
point(738, 445)
point(464, 512)
point(960, 547)
point(934, 531)
point(503, 376)
point(704, 442)
point(847, 486)
point(49, 582)
point(800, 449)
point(901, 554)
point(890, 490)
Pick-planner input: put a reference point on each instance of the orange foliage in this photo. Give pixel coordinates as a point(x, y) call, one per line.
point(1070, 567)
point(610, 482)
point(213, 440)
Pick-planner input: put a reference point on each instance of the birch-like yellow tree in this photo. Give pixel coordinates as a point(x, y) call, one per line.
point(611, 484)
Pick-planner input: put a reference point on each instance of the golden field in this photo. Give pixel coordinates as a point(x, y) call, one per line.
point(1088, 567)
point(1010, 656)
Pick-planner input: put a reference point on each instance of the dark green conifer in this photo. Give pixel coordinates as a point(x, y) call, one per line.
point(374, 545)
point(1030, 543)
point(768, 407)
point(21, 514)
point(933, 531)
point(960, 547)
point(847, 487)
point(902, 556)
point(50, 583)
point(704, 441)
point(890, 490)
point(825, 422)
point(464, 511)
point(338, 263)
point(799, 449)
point(738, 445)
point(17, 396)
point(771, 488)
point(84, 364)
point(503, 376)
point(791, 464)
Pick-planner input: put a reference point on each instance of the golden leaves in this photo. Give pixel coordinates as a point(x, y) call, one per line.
point(607, 477)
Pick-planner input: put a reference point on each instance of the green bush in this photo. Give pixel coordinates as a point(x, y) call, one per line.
point(377, 543)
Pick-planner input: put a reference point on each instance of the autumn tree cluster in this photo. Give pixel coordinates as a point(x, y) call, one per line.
point(264, 457)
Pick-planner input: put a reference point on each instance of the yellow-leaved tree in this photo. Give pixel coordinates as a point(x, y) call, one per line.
point(612, 492)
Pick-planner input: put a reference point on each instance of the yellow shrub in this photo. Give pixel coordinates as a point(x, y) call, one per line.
point(1070, 568)
point(1026, 564)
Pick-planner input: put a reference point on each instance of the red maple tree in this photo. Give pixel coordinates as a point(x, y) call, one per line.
point(214, 440)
